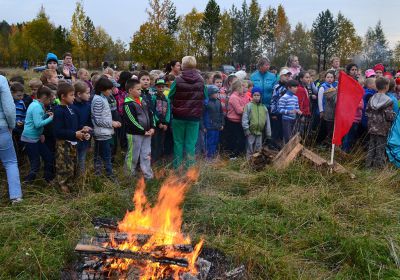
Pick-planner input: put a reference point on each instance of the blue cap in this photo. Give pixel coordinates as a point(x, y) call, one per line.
point(256, 89)
point(211, 89)
point(51, 57)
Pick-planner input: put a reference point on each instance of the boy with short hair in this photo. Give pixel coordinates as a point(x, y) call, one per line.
point(146, 92)
point(34, 85)
point(67, 133)
point(139, 124)
point(213, 121)
point(162, 116)
point(288, 107)
point(17, 91)
point(380, 117)
point(222, 96)
point(103, 126)
point(33, 138)
point(82, 108)
point(255, 121)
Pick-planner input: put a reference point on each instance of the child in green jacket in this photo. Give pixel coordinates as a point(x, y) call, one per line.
point(255, 121)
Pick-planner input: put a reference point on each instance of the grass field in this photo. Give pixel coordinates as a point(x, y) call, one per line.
point(299, 223)
point(296, 224)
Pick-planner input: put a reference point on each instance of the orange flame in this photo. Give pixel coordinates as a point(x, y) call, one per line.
point(162, 223)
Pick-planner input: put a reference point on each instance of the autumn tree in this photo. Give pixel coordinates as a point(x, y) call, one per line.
point(254, 31)
point(5, 30)
point(267, 32)
point(282, 37)
point(223, 41)
point(347, 43)
point(209, 27)
point(153, 44)
point(189, 37)
point(324, 35)
point(102, 42)
point(117, 52)
point(77, 27)
point(40, 34)
point(301, 45)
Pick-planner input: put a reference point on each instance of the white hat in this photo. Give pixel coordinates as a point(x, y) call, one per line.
point(241, 74)
point(285, 71)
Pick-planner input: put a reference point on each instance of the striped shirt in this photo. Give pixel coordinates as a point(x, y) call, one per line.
point(288, 102)
point(20, 110)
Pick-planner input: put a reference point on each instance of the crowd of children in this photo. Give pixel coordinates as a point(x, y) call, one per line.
point(147, 116)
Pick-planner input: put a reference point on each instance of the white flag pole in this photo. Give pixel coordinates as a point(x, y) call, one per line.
point(332, 154)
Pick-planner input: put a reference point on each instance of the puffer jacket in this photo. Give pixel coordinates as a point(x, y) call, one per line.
point(380, 114)
point(187, 96)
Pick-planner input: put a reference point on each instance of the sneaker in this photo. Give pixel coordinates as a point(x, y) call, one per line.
point(233, 158)
point(16, 200)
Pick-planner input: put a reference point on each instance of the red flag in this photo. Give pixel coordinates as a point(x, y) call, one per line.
point(349, 97)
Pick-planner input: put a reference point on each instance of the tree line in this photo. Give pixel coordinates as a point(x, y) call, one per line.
point(238, 35)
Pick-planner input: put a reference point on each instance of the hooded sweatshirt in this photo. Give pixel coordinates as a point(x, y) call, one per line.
point(380, 114)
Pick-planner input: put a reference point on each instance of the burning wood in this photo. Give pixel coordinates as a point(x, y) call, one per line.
point(140, 256)
point(148, 240)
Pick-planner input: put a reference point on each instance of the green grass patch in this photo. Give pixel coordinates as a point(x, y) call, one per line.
point(293, 224)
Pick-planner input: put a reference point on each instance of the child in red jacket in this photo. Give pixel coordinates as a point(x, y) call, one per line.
point(303, 95)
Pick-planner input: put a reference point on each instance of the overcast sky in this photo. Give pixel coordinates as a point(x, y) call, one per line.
point(121, 18)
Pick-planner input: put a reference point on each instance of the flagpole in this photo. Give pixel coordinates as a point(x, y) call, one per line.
point(332, 154)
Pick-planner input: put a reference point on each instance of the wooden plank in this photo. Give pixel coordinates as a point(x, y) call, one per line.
point(279, 161)
point(338, 168)
point(321, 162)
point(284, 162)
point(316, 159)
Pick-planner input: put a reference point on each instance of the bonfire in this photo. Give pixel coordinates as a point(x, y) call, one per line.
point(148, 242)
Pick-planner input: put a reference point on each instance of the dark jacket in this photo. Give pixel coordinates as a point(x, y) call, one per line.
point(213, 117)
point(137, 117)
point(147, 94)
point(66, 123)
point(83, 111)
point(380, 114)
point(161, 109)
point(187, 96)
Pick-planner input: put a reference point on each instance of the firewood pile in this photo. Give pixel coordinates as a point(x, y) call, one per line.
point(292, 150)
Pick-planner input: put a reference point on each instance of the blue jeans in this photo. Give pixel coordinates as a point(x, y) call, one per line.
point(36, 151)
point(288, 129)
point(9, 160)
point(212, 140)
point(102, 153)
point(82, 149)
